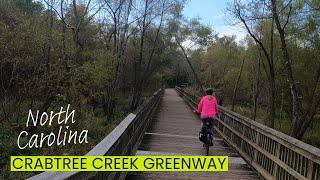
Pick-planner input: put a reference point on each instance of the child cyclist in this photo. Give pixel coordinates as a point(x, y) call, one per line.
point(208, 109)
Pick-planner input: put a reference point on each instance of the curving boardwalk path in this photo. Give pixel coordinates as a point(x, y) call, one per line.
point(174, 131)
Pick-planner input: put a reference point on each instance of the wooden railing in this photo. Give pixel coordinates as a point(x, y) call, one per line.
point(271, 153)
point(123, 140)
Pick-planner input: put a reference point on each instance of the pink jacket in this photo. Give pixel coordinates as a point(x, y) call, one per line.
point(208, 107)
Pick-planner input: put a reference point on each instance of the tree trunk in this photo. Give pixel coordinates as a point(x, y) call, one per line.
point(296, 104)
point(236, 86)
point(269, 69)
point(192, 68)
point(256, 90)
point(271, 103)
point(138, 63)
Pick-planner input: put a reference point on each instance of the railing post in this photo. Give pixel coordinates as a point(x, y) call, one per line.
point(276, 167)
point(255, 153)
point(242, 133)
point(309, 169)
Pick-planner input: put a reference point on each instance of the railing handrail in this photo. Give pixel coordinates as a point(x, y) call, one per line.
point(291, 144)
point(279, 136)
point(107, 145)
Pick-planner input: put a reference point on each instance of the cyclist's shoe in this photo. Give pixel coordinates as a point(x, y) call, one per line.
point(202, 136)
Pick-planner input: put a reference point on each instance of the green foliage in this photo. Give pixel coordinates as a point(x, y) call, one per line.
point(48, 62)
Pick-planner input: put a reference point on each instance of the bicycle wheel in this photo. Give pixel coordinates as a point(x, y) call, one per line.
point(208, 144)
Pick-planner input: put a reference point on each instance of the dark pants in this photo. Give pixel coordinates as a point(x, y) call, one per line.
point(212, 121)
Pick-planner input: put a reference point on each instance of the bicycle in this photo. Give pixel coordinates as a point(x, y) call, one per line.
point(205, 135)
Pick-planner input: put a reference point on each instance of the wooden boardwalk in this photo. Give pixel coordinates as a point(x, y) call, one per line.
point(174, 131)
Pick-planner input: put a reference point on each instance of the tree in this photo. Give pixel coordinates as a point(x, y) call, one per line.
point(152, 12)
point(254, 12)
point(236, 86)
point(191, 35)
point(301, 116)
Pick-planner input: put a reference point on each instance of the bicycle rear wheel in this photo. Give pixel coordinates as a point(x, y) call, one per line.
point(208, 144)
